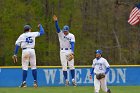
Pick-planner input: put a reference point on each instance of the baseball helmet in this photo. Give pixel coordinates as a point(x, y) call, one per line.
point(27, 27)
point(99, 51)
point(66, 28)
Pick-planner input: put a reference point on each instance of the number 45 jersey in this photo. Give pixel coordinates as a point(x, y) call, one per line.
point(100, 65)
point(27, 39)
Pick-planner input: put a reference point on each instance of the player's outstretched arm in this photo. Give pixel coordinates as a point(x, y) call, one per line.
point(41, 29)
point(56, 23)
point(72, 46)
point(92, 70)
point(14, 57)
point(107, 70)
point(16, 49)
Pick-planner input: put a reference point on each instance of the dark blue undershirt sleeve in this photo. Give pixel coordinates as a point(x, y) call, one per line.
point(57, 26)
point(107, 70)
point(92, 70)
point(72, 46)
point(41, 30)
point(16, 50)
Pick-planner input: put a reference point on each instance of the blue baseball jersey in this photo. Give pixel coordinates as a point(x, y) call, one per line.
point(100, 65)
point(65, 39)
point(27, 40)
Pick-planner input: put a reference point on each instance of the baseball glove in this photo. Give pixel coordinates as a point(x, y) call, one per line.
point(69, 57)
point(100, 76)
point(14, 57)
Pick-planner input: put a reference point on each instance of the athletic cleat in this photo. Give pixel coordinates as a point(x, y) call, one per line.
point(108, 91)
point(23, 85)
point(74, 83)
point(67, 83)
point(35, 84)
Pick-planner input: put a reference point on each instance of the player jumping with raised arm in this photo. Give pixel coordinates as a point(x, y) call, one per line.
point(27, 43)
point(100, 68)
point(67, 42)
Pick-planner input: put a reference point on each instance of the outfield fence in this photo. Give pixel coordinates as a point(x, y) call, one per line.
point(121, 75)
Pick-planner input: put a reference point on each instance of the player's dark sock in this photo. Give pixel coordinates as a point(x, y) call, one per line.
point(65, 74)
point(24, 75)
point(108, 91)
point(34, 73)
point(72, 73)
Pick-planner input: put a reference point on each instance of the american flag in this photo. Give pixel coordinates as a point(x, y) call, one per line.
point(134, 17)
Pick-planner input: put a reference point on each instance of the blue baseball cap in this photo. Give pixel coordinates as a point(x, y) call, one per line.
point(27, 27)
point(99, 51)
point(66, 28)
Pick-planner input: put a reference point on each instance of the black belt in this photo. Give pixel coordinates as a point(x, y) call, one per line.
point(65, 48)
point(27, 48)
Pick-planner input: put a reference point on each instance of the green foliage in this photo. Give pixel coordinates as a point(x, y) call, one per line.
point(96, 24)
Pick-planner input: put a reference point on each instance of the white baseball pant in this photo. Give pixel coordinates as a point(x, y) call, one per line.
point(100, 83)
point(28, 56)
point(64, 61)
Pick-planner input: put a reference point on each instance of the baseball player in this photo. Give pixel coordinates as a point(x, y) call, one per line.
point(27, 43)
point(67, 42)
point(100, 68)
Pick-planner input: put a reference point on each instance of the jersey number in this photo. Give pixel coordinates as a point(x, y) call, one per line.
point(29, 40)
point(100, 67)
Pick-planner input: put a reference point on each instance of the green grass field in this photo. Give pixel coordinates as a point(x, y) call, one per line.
point(115, 89)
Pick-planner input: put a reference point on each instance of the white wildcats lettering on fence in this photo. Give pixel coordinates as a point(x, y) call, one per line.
point(78, 75)
point(50, 75)
point(112, 78)
point(61, 77)
point(122, 74)
point(87, 79)
point(117, 75)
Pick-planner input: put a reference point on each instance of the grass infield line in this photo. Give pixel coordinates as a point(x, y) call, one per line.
point(70, 89)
